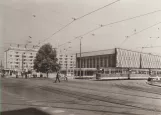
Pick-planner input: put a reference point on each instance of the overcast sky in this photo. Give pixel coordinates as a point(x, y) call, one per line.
point(39, 19)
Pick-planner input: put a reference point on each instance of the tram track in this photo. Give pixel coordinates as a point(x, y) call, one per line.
point(84, 107)
point(118, 93)
point(107, 91)
point(127, 87)
point(100, 98)
point(91, 97)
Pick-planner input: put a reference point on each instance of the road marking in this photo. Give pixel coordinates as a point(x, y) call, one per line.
point(44, 108)
point(22, 99)
point(58, 111)
point(31, 101)
point(37, 103)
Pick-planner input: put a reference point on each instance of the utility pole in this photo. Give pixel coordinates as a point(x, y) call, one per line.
point(80, 57)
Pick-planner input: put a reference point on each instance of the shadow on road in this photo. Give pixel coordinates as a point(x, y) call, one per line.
point(27, 111)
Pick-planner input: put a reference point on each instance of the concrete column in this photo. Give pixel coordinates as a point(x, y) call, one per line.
point(92, 62)
point(107, 65)
point(103, 61)
point(82, 61)
point(109, 71)
point(99, 61)
point(83, 72)
point(96, 63)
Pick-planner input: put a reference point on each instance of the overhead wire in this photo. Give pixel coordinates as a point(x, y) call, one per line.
point(127, 19)
point(116, 22)
point(98, 9)
point(75, 19)
point(139, 32)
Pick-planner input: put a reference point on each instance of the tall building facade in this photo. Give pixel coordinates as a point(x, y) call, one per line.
point(67, 62)
point(19, 58)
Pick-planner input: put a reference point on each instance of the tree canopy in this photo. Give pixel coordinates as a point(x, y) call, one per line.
point(46, 60)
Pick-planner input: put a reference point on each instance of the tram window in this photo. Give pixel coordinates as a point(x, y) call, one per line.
point(107, 72)
point(113, 72)
point(139, 72)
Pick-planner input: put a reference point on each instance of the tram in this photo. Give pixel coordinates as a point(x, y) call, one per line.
point(126, 73)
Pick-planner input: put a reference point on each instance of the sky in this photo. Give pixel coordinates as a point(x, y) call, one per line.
point(39, 19)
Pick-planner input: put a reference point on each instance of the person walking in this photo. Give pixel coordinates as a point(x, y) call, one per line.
point(65, 77)
point(57, 77)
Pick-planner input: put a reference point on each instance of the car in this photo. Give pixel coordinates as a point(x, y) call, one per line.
point(156, 78)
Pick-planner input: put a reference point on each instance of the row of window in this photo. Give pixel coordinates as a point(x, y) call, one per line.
point(20, 63)
point(66, 59)
point(16, 66)
point(21, 53)
point(66, 56)
point(66, 62)
point(21, 56)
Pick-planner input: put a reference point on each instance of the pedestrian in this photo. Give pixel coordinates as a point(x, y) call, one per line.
point(57, 77)
point(65, 77)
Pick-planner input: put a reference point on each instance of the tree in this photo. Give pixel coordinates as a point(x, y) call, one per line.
point(46, 61)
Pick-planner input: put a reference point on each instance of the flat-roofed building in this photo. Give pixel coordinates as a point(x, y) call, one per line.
point(67, 62)
point(19, 58)
point(113, 60)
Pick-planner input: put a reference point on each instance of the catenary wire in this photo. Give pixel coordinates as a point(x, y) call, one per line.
point(127, 19)
point(75, 19)
point(139, 32)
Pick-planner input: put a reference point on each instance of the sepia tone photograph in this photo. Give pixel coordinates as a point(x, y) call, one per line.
point(80, 57)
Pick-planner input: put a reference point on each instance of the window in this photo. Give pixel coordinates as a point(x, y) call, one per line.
point(16, 55)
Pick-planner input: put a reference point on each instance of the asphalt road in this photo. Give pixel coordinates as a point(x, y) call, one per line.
point(79, 97)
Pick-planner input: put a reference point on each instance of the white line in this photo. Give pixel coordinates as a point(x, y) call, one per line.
point(58, 111)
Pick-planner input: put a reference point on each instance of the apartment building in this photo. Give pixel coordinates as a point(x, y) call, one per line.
point(19, 58)
point(67, 62)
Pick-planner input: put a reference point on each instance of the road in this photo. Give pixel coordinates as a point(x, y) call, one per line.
point(79, 97)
